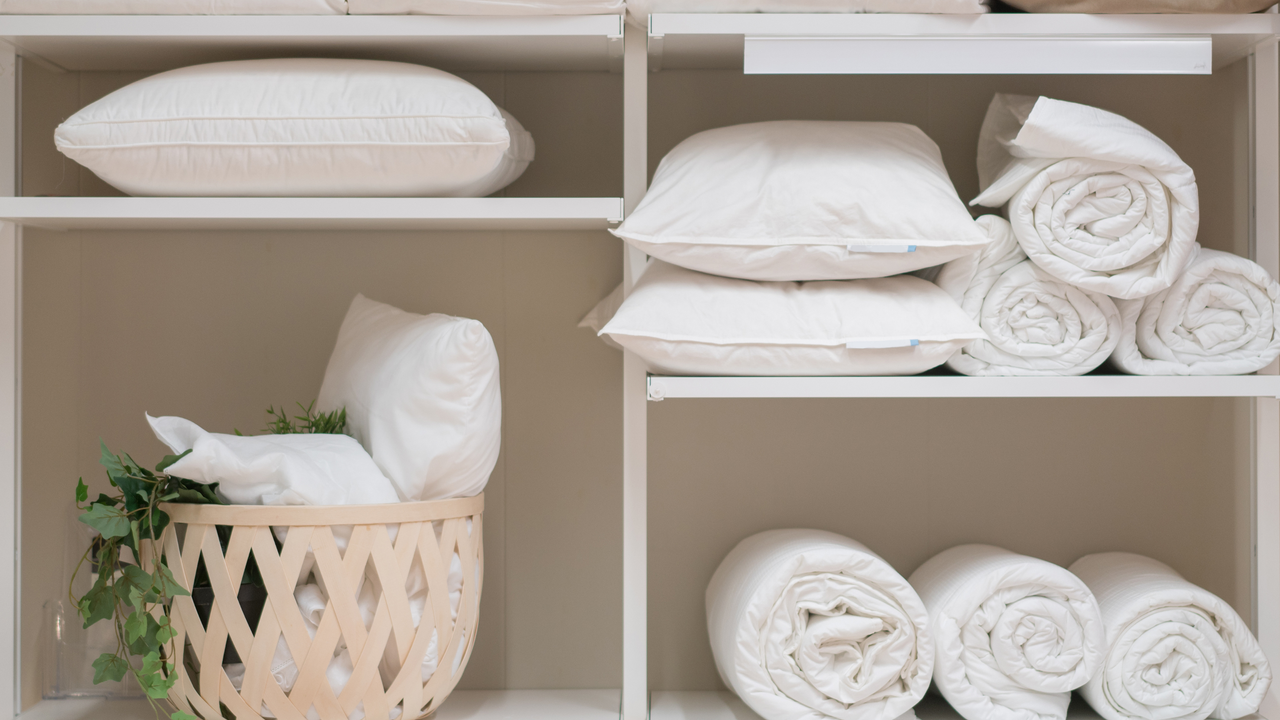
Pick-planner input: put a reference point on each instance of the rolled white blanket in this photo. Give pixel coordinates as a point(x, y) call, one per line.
point(1035, 323)
point(1221, 317)
point(1013, 635)
point(807, 624)
point(1094, 199)
point(1175, 651)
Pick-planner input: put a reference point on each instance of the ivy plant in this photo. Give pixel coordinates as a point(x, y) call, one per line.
point(134, 596)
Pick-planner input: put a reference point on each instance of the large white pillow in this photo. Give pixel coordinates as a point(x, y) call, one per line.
point(298, 127)
point(422, 396)
point(173, 7)
point(683, 322)
point(804, 200)
point(487, 7)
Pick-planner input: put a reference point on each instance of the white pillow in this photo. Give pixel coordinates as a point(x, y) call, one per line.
point(422, 396)
point(297, 127)
point(804, 200)
point(487, 7)
point(173, 7)
point(640, 9)
point(299, 469)
point(687, 323)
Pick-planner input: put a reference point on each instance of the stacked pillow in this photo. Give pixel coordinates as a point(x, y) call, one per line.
point(299, 127)
point(781, 249)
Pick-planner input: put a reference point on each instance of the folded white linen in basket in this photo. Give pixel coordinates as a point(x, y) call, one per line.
point(1221, 317)
point(1175, 651)
point(1035, 323)
point(173, 7)
point(1013, 635)
point(807, 625)
point(1094, 199)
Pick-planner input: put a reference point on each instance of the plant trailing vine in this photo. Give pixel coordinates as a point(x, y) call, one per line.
point(134, 588)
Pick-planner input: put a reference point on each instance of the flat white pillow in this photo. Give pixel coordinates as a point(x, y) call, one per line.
point(804, 200)
point(297, 127)
point(487, 7)
point(173, 7)
point(422, 396)
point(688, 323)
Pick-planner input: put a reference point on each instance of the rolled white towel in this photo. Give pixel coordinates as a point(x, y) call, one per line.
point(1035, 323)
point(1094, 199)
point(807, 625)
point(1221, 317)
point(1013, 635)
point(1175, 651)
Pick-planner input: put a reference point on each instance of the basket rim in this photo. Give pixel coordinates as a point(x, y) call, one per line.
point(318, 515)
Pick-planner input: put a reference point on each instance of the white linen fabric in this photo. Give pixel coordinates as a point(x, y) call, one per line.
point(173, 7)
point(1175, 651)
point(640, 9)
point(487, 7)
point(1095, 200)
point(301, 469)
point(1142, 6)
point(1013, 635)
point(1221, 317)
point(422, 396)
point(685, 322)
point(804, 200)
point(298, 127)
point(1035, 324)
point(809, 625)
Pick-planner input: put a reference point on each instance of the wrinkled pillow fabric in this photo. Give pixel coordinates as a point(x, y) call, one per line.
point(804, 200)
point(298, 128)
point(487, 7)
point(1142, 6)
point(688, 323)
point(173, 7)
point(640, 9)
point(422, 396)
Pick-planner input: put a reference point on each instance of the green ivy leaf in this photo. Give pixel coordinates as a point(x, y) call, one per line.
point(156, 677)
point(165, 584)
point(97, 604)
point(170, 460)
point(136, 626)
point(109, 461)
point(149, 640)
point(109, 667)
point(82, 491)
point(165, 634)
point(134, 586)
point(179, 715)
point(109, 521)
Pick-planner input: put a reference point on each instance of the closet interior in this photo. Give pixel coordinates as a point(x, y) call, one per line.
point(618, 492)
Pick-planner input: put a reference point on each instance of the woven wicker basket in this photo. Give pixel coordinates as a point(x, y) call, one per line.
point(204, 688)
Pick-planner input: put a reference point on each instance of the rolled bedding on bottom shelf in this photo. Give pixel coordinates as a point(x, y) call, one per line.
point(808, 625)
point(1013, 635)
point(1220, 317)
point(1175, 651)
point(1036, 325)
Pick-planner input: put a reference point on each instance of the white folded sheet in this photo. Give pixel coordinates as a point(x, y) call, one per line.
point(1221, 317)
point(1013, 635)
point(1094, 199)
point(1035, 323)
point(1175, 651)
point(807, 625)
point(173, 7)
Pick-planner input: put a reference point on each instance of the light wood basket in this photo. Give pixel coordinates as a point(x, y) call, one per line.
point(203, 688)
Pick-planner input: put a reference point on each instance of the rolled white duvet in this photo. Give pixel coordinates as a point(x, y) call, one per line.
point(1013, 635)
point(1221, 317)
point(1035, 323)
point(807, 624)
point(1175, 651)
point(1095, 200)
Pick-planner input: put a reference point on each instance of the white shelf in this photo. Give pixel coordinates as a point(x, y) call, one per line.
point(724, 705)
point(995, 43)
point(461, 705)
point(943, 386)
point(157, 42)
point(130, 213)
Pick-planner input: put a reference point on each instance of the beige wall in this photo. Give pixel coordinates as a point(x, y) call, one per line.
point(215, 326)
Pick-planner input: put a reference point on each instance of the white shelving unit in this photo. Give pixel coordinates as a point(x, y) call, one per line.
point(942, 45)
point(762, 44)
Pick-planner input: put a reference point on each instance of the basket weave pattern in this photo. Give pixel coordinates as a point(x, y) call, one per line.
point(203, 687)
